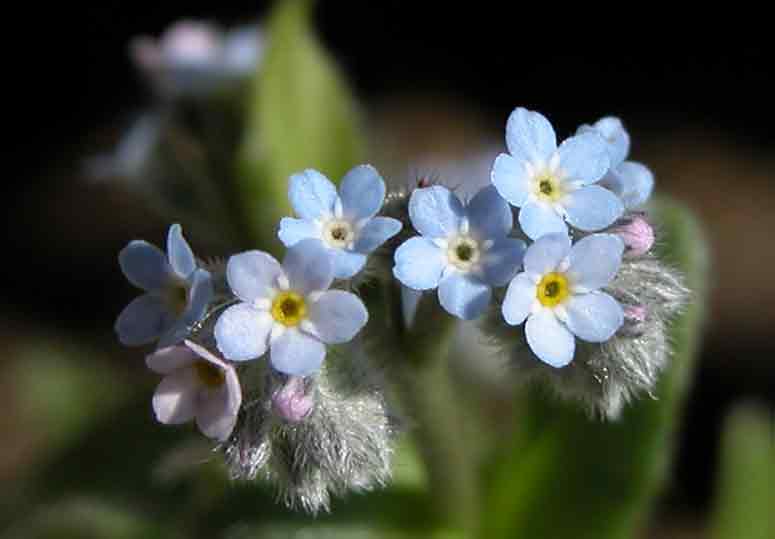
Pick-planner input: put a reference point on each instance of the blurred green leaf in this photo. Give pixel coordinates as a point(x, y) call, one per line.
point(565, 475)
point(327, 531)
point(87, 518)
point(301, 115)
point(746, 493)
point(61, 391)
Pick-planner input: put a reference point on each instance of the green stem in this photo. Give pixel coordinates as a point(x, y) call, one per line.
point(430, 398)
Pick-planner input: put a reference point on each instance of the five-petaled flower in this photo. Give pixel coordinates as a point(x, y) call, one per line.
point(552, 185)
point(631, 181)
point(344, 222)
point(177, 291)
point(287, 308)
point(462, 250)
point(196, 385)
point(559, 294)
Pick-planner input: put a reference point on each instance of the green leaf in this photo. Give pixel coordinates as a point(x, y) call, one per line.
point(88, 518)
point(565, 475)
point(300, 115)
point(746, 495)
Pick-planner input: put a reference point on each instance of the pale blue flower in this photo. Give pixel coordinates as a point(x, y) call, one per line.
point(463, 249)
point(630, 180)
point(559, 294)
point(287, 309)
point(195, 58)
point(177, 292)
point(344, 222)
point(553, 185)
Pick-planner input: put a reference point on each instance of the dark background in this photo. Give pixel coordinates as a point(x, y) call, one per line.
point(702, 95)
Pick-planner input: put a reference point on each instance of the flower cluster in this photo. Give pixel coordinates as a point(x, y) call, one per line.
point(569, 289)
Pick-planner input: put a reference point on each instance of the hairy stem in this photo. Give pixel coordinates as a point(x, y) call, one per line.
point(427, 392)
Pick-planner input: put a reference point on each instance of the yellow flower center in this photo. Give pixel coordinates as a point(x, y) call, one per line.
point(210, 375)
point(548, 188)
point(338, 233)
point(288, 308)
point(553, 289)
point(463, 252)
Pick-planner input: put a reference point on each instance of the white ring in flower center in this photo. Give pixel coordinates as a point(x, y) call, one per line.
point(547, 187)
point(463, 252)
point(338, 233)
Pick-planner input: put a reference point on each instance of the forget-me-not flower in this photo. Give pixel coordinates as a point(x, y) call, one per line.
point(177, 292)
point(559, 294)
point(287, 309)
point(344, 222)
point(462, 250)
point(552, 185)
point(194, 58)
point(630, 180)
point(196, 385)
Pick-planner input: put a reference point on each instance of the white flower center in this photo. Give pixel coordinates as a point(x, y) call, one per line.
point(338, 233)
point(463, 252)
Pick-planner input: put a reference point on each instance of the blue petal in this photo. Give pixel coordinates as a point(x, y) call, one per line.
point(584, 158)
point(502, 260)
point(346, 263)
point(178, 331)
point(593, 317)
point(144, 265)
point(592, 208)
point(181, 258)
point(510, 176)
point(530, 136)
point(337, 316)
point(634, 183)
point(410, 300)
point(538, 219)
point(199, 296)
point(376, 232)
point(311, 194)
point(549, 339)
point(362, 191)
point(143, 320)
point(546, 254)
point(464, 296)
point(419, 263)
point(292, 231)
point(594, 261)
point(309, 266)
point(519, 300)
point(242, 332)
point(253, 275)
point(435, 211)
point(297, 354)
point(489, 214)
point(616, 137)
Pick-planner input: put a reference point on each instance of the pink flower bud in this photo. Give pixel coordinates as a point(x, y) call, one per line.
point(291, 401)
point(637, 234)
point(634, 318)
point(636, 313)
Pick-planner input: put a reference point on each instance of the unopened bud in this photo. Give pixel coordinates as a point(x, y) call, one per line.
point(637, 234)
point(634, 317)
point(291, 401)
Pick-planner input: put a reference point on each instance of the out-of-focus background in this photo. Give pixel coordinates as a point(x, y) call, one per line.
point(435, 83)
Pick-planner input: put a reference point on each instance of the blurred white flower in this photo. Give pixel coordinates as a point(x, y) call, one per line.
point(195, 58)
